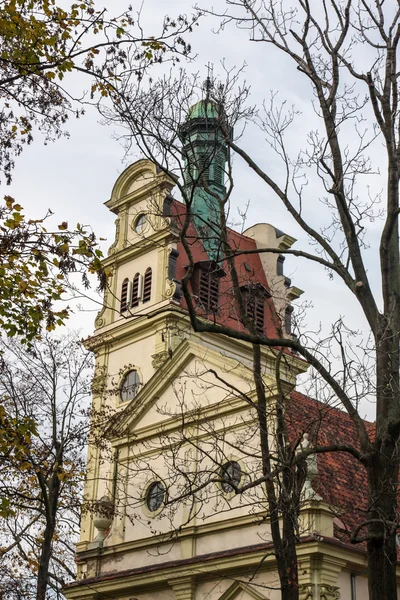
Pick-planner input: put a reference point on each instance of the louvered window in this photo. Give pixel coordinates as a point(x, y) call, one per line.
point(124, 295)
point(135, 291)
point(254, 303)
point(203, 163)
point(219, 169)
point(208, 291)
point(147, 285)
point(205, 285)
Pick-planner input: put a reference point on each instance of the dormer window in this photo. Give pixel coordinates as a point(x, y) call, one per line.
point(205, 285)
point(254, 297)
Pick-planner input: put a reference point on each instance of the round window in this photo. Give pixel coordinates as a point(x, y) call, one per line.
point(130, 386)
point(155, 496)
point(231, 473)
point(140, 223)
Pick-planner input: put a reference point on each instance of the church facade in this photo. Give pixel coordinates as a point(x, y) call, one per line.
point(175, 514)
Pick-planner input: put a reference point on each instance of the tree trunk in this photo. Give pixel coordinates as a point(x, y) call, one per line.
point(51, 506)
point(288, 570)
point(45, 556)
point(383, 467)
point(382, 555)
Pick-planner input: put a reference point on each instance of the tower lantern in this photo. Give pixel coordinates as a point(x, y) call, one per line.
point(205, 155)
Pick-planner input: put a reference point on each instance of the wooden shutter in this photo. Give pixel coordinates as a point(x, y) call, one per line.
point(208, 290)
point(135, 291)
point(147, 285)
point(124, 295)
point(255, 307)
point(259, 314)
point(203, 164)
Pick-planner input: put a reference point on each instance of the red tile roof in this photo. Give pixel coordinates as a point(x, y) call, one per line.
point(342, 479)
point(249, 270)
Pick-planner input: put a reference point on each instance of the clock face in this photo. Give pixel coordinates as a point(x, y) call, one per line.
point(155, 496)
point(140, 223)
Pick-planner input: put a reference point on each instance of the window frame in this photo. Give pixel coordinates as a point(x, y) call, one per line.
point(228, 489)
point(142, 226)
point(147, 285)
point(254, 299)
point(137, 385)
point(124, 299)
point(145, 506)
point(205, 285)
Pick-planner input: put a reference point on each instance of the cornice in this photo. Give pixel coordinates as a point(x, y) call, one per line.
point(159, 238)
point(242, 559)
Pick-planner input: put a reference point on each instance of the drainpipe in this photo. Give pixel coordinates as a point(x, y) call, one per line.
point(353, 586)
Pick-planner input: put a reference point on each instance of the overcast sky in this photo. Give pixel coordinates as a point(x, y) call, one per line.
point(74, 176)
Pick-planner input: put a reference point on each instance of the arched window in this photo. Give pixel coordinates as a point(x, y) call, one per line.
point(135, 291)
point(147, 285)
point(130, 386)
point(124, 295)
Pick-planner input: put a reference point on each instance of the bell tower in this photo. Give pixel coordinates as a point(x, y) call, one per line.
point(205, 154)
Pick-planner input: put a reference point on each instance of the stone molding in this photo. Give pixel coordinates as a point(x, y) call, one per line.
point(329, 592)
point(183, 588)
point(325, 592)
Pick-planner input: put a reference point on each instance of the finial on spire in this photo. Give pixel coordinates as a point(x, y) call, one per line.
point(209, 83)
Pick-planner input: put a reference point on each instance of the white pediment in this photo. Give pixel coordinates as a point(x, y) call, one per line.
point(194, 380)
point(242, 591)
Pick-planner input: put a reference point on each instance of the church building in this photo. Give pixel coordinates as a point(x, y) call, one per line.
point(173, 509)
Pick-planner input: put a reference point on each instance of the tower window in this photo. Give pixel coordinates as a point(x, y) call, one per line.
point(124, 295)
point(147, 285)
point(130, 386)
point(219, 168)
point(203, 164)
point(135, 291)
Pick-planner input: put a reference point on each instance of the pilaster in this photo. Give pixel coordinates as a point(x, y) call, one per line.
point(318, 577)
point(183, 588)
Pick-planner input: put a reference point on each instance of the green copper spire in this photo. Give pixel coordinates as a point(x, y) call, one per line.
point(205, 154)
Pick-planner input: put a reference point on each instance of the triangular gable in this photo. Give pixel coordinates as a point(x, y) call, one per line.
point(247, 591)
point(161, 381)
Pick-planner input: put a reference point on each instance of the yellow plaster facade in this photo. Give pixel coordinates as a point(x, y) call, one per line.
point(213, 544)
